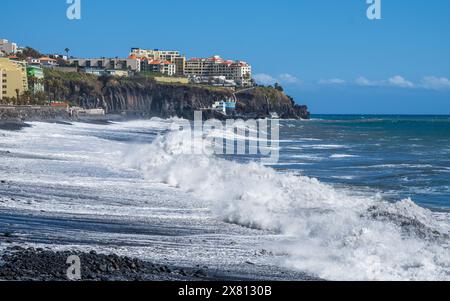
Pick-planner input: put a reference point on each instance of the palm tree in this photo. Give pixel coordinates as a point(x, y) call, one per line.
point(18, 95)
point(67, 50)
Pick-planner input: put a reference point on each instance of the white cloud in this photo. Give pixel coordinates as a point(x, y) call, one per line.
point(288, 78)
point(398, 81)
point(285, 78)
point(401, 82)
point(264, 79)
point(435, 83)
point(362, 81)
point(333, 81)
point(395, 81)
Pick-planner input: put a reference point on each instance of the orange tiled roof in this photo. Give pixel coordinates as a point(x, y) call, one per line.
point(156, 62)
point(47, 59)
point(215, 59)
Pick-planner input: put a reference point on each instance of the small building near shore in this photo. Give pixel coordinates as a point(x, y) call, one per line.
point(77, 112)
point(59, 104)
point(225, 107)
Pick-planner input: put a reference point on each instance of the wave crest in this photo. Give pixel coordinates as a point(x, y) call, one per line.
point(328, 232)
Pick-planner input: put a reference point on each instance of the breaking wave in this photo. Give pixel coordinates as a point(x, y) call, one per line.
point(329, 232)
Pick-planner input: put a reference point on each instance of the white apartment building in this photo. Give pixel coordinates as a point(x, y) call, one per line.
point(156, 54)
point(172, 56)
point(108, 63)
point(163, 67)
point(237, 71)
point(8, 47)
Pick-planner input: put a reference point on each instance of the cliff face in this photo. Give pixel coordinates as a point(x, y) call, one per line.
point(145, 97)
point(264, 100)
point(161, 100)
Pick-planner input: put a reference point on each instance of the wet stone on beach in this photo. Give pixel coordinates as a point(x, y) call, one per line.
point(45, 265)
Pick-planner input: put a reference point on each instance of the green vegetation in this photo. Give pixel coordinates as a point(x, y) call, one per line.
point(52, 74)
point(58, 83)
point(151, 75)
point(61, 85)
point(204, 87)
point(27, 98)
point(278, 87)
point(271, 92)
point(29, 52)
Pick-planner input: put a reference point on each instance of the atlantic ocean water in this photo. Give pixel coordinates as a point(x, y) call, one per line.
point(397, 156)
point(351, 198)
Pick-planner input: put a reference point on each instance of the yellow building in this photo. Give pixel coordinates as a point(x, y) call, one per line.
point(13, 78)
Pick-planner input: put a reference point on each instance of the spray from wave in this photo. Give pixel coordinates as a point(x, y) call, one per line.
point(328, 232)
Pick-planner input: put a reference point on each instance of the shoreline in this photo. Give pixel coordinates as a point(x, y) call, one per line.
point(10, 125)
point(17, 124)
point(30, 264)
point(169, 227)
point(18, 263)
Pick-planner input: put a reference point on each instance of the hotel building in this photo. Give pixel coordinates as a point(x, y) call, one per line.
point(172, 56)
point(238, 71)
point(163, 67)
point(13, 78)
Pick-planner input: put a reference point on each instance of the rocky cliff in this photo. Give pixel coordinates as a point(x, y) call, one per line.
point(266, 100)
point(145, 97)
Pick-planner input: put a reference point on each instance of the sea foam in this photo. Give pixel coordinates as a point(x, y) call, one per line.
point(328, 232)
point(332, 233)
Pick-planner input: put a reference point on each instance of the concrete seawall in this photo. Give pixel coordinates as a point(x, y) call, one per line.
point(32, 113)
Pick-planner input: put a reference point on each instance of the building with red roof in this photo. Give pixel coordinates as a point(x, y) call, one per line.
point(172, 56)
point(238, 71)
point(158, 66)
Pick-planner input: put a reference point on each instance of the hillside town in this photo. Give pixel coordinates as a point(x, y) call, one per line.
point(144, 82)
point(23, 69)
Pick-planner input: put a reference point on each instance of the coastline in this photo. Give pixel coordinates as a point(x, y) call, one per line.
point(47, 198)
point(10, 125)
point(34, 244)
point(43, 264)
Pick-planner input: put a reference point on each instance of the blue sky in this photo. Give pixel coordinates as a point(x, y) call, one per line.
point(326, 53)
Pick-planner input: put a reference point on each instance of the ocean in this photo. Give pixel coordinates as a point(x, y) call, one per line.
point(351, 198)
point(396, 156)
